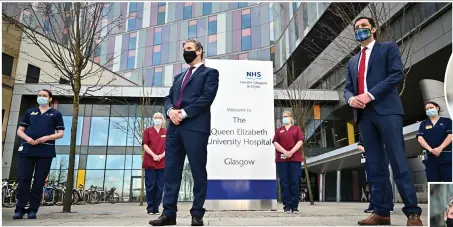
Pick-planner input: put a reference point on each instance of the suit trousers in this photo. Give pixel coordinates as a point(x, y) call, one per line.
point(379, 131)
point(179, 143)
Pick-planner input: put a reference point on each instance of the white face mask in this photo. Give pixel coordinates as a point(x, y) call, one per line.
point(157, 122)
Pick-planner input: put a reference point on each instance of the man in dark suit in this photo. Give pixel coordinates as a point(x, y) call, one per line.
point(371, 90)
point(188, 106)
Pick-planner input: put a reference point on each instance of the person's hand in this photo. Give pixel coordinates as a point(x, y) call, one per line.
point(356, 103)
point(289, 154)
point(31, 141)
point(176, 116)
point(42, 139)
point(364, 98)
point(161, 156)
point(156, 158)
point(361, 148)
point(436, 151)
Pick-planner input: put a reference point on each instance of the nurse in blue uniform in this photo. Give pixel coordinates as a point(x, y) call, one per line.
point(39, 129)
point(435, 136)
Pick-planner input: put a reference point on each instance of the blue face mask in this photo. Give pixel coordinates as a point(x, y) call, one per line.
point(286, 121)
point(157, 122)
point(432, 112)
point(42, 101)
point(362, 34)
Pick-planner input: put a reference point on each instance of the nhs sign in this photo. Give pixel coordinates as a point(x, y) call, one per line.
point(253, 76)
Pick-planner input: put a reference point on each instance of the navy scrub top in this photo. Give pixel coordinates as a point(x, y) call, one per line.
point(37, 125)
point(435, 135)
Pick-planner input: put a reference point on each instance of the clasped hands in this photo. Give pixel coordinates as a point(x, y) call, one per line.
point(38, 141)
point(175, 116)
point(288, 154)
point(360, 101)
point(158, 157)
point(436, 151)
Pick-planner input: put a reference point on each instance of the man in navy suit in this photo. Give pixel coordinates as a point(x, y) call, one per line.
point(371, 90)
point(188, 106)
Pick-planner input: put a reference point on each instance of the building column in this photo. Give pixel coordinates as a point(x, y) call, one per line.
point(433, 90)
point(351, 132)
point(10, 138)
point(338, 185)
point(321, 187)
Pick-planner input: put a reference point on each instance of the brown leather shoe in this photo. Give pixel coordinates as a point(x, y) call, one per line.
point(414, 220)
point(375, 219)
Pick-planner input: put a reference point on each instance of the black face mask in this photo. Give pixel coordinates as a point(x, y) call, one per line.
point(189, 56)
point(449, 222)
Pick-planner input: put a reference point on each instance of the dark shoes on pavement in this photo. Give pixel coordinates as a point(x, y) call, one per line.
point(374, 219)
point(197, 221)
point(369, 211)
point(164, 220)
point(19, 215)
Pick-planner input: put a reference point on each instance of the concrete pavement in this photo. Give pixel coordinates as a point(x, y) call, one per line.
point(131, 214)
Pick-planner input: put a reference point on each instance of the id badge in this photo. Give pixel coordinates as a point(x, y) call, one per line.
point(362, 160)
point(21, 148)
point(282, 156)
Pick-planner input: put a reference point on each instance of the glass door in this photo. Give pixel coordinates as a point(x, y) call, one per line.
point(134, 195)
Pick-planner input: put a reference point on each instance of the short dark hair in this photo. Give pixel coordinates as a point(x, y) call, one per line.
point(197, 43)
point(370, 20)
point(48, 92)
point(433, 103)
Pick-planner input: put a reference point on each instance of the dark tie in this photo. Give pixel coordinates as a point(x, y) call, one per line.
point(361, 76)
point(181, 91)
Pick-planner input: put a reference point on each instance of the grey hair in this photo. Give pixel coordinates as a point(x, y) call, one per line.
point(197, 43)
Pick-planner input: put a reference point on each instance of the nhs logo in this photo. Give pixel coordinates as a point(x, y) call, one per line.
point(253, 76)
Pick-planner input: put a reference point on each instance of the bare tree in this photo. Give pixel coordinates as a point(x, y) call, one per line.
point(68, 34)
point(338, 31)
point(301, 102)
point(147, 107)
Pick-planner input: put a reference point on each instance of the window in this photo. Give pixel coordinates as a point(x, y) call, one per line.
point(67, 120)
point(118, 132)
point(64, 81)
point(132, 40)
point(157, 79)
point(158, 36)
point(242, 4)
point(131, 60)
point(192, 29)
point(207, 8)
point(161, 4)
point(99, 131)
point(243, 56)
point(294, 7)
point(212, 25)
point(305, 15)
point(7, 64)
point(161, 15)
point(246, 18)
point(32, 76)
point(246, 41)
point(212, 45)
point(156, 55)
point(131, 22)
point(187, 14)
point(132, 7)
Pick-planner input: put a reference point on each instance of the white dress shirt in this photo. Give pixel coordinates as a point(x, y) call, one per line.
point(196, 66)
point(368, 54)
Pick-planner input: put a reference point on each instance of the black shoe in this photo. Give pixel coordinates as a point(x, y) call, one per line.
point(163, 220)
point(197, 221)
point(369, 211)
point(295, 211)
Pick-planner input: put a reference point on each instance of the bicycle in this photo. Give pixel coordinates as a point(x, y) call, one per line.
point(111, 196)
point(9, 194)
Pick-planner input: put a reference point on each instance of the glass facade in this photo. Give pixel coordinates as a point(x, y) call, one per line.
point(109, 152)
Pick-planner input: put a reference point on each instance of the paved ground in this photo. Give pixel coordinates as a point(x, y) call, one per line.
point(130, 214)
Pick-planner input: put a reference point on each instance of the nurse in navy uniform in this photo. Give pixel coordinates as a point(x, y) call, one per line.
point(39, 129)
point(435, 136)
